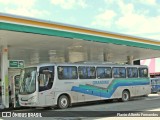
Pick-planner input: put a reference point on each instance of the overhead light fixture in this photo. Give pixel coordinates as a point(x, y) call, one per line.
point(52, 52)
point(78, 46)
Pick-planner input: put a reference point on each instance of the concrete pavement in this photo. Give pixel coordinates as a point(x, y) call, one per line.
point(150, 103)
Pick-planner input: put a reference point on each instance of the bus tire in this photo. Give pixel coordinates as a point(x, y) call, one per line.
point(145, 95)
point(125, 96)
point(63, 102)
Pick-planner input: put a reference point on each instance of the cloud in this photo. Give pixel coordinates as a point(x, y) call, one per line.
point(144, 2)
point(27, 12)
point(69, 4)
point(108, 17)
point(148, 2)
point(125, 8)
point(136, 23)
point(23, 8)
point(104, 19)
point(4, 1)
point(129, 18)
point(19, 3)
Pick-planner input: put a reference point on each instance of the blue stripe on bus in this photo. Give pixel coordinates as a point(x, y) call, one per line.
point(104, 93)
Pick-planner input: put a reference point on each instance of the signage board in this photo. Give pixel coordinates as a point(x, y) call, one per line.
point(16, 63)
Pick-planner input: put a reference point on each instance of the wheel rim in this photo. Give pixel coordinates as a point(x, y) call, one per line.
point(125, 96)
point(64, 102)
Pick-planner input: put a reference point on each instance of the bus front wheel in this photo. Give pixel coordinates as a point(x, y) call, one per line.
point(125, 96)
point(63, 102)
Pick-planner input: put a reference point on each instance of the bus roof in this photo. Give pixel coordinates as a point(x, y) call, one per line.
point(86, 64)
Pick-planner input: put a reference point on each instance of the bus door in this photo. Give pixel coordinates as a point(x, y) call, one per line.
point(16, 90)
point(45, 80)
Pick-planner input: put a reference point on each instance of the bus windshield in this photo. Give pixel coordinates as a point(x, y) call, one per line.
point(28, 80)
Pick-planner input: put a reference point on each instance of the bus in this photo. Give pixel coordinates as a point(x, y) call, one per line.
point(155, 83)
point(61, 85)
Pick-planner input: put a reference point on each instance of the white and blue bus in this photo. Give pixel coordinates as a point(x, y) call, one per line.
point(49, 85)
point(155, 83)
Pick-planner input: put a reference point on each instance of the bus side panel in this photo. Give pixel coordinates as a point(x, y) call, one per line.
point(91, 90)
point(46, 98)
point(143, 90)
point(134, 91)
point(118, 92)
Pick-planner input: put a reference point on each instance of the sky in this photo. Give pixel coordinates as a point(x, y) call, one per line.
point(132, 17)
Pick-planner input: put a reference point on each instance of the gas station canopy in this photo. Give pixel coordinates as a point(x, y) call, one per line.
point(37, 41)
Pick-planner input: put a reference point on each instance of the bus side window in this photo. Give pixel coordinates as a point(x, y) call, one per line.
point(132, 72)
point(67, 72)
point(158, 82)
point(119, 72)
point(104, 72)
point(87, 72)
point(143, 72)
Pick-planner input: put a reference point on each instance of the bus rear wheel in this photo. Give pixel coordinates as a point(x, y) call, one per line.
point(125, 96)
point(63, 102)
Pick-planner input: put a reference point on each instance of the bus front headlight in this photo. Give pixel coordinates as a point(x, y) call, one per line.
point(31, 99)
